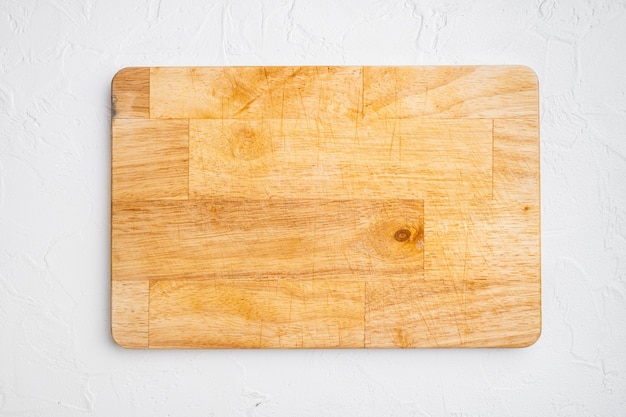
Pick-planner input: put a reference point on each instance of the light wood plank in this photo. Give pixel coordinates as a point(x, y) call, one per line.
point(338, 159)
point(150, 159)
point(493, 242)
point(432, 312)
point(243, 314)
point(129, 313)
point(516, 161)
point(406, 312)
point(266, 239)
point(450, 92)
point(130, 93)
point(256, 92)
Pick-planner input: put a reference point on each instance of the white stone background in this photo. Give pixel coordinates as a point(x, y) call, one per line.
point(57, 357)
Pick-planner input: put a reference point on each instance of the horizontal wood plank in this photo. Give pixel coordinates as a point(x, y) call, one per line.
point(339, 159)
point(438, 311)
point(450, 92)
point(243, 314)
point(150, 159)
point(256, 92)
point(265, 239)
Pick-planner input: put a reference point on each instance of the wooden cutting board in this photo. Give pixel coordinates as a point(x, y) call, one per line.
point(302, 207)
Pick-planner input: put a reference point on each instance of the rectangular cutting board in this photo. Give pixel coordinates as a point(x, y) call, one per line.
point(304, 207)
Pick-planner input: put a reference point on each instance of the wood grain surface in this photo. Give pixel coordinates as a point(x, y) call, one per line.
point(325, 207)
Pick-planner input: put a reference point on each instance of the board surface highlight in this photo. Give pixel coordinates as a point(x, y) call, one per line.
point(325, 207)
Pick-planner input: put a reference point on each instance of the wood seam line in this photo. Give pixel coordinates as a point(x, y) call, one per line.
point(148, 312)
point(188, 157)
point(493, 143)
point(364, 314)
point(149, 281)
point(362, 112)
point(149, 93)
point(537, 120)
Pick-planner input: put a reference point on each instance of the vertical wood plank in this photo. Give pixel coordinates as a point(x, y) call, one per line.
point(130, 93)
point(129, 313)
point(516, 161)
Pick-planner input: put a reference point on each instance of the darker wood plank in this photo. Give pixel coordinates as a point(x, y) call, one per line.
point(266, 239)
point(150, 159)
point(130, 93)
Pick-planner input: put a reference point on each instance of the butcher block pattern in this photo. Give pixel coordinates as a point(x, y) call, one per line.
point(325, 207)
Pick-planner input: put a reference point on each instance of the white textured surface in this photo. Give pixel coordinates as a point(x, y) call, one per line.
point(57, 357)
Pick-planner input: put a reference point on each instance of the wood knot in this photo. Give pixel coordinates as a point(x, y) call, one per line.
point(402, 235)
